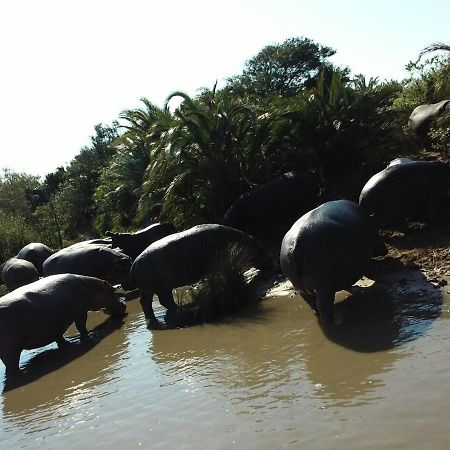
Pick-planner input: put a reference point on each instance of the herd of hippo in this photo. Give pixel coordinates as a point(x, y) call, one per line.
point(322, 249)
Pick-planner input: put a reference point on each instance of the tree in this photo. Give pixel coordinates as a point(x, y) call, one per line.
point(13, 189)
point(203, 161)
point(282, 69)
point(120, 184)
point(74, 200)
point(17, 221)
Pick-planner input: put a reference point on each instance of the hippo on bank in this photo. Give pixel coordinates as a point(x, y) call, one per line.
point(327, 250)
point(404, 191)
point(420, 119)
point(18, 272)
point(39, 313)
point(36, 253)
point(274, 205)
point(134, 244)
point(184, 258)
point(93, 260)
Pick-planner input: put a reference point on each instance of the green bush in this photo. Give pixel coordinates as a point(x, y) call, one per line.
point(15, 233)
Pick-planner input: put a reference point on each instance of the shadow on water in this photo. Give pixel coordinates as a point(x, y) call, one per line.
point(53, 359)
point(399, 307)
point(268, 356)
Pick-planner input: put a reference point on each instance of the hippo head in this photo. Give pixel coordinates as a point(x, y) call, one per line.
point(105, 298)
point(133, 244)
point(118, 272)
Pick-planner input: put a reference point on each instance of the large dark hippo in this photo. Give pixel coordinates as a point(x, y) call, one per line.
point(422, 116)
point(135, 243)
point(274, 205)
point(404, 191)
point(18, 272)
point(39, 313)
point(36, 253)
point(184, 258)
point(327, 250)
point(92, 260)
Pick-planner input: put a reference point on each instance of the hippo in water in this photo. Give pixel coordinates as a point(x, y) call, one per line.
point(133, 244)
point(18, 272)
point(422, 116)
point(36, 253)
point(93, 260)
point(184, 258)
point(406, 190)
point(39, 313)
point(274, 206)
point(327, 250)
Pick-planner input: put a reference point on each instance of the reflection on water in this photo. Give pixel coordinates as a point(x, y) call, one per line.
point(266, 379)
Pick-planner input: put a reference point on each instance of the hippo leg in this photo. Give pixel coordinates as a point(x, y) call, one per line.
point(11, 361)
point(325, 304)
point(146, 303)
point(307, 292)
point(166, 299)
point(62, 342)
point(80, 323)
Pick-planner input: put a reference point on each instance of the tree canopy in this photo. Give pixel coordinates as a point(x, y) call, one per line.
point(283, 69)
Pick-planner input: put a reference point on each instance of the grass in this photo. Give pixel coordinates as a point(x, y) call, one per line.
point(229, 287)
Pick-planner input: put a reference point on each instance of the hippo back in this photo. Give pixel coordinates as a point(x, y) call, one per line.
point(18, 272)
point(92, 260)
point(420, 119)
point(107, 242)
point(184, 258)
point(36, 253)
point(334, 240)
point(401, 160)
point(277, 203)
point(403, 191)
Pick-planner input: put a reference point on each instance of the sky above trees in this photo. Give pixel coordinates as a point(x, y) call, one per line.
point(69, 66)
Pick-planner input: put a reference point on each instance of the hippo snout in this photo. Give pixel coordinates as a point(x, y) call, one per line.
point(118, 309)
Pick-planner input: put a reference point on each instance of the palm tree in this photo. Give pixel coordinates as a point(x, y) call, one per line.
point(437, 85)
point(205, 160)
point(436, 47)
point(119, 190)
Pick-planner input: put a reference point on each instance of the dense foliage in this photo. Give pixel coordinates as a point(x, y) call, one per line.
point(290, 109)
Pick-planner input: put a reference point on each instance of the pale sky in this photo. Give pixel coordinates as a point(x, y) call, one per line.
point(69, 65)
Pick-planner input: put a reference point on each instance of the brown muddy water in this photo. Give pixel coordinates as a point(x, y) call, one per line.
point(267, 379)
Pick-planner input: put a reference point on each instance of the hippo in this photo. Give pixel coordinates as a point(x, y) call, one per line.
point(422, 116)
point(18, 272)
point(184, 258)
point(36, 253)
point(274, 206)
point(133, 244)
point(105, 242)
point(39, 313)
point(327, 250)
point(405, 191)
point(401, 160)
point(93, 260)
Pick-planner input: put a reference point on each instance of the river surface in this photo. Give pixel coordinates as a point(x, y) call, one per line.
point(267, 379)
